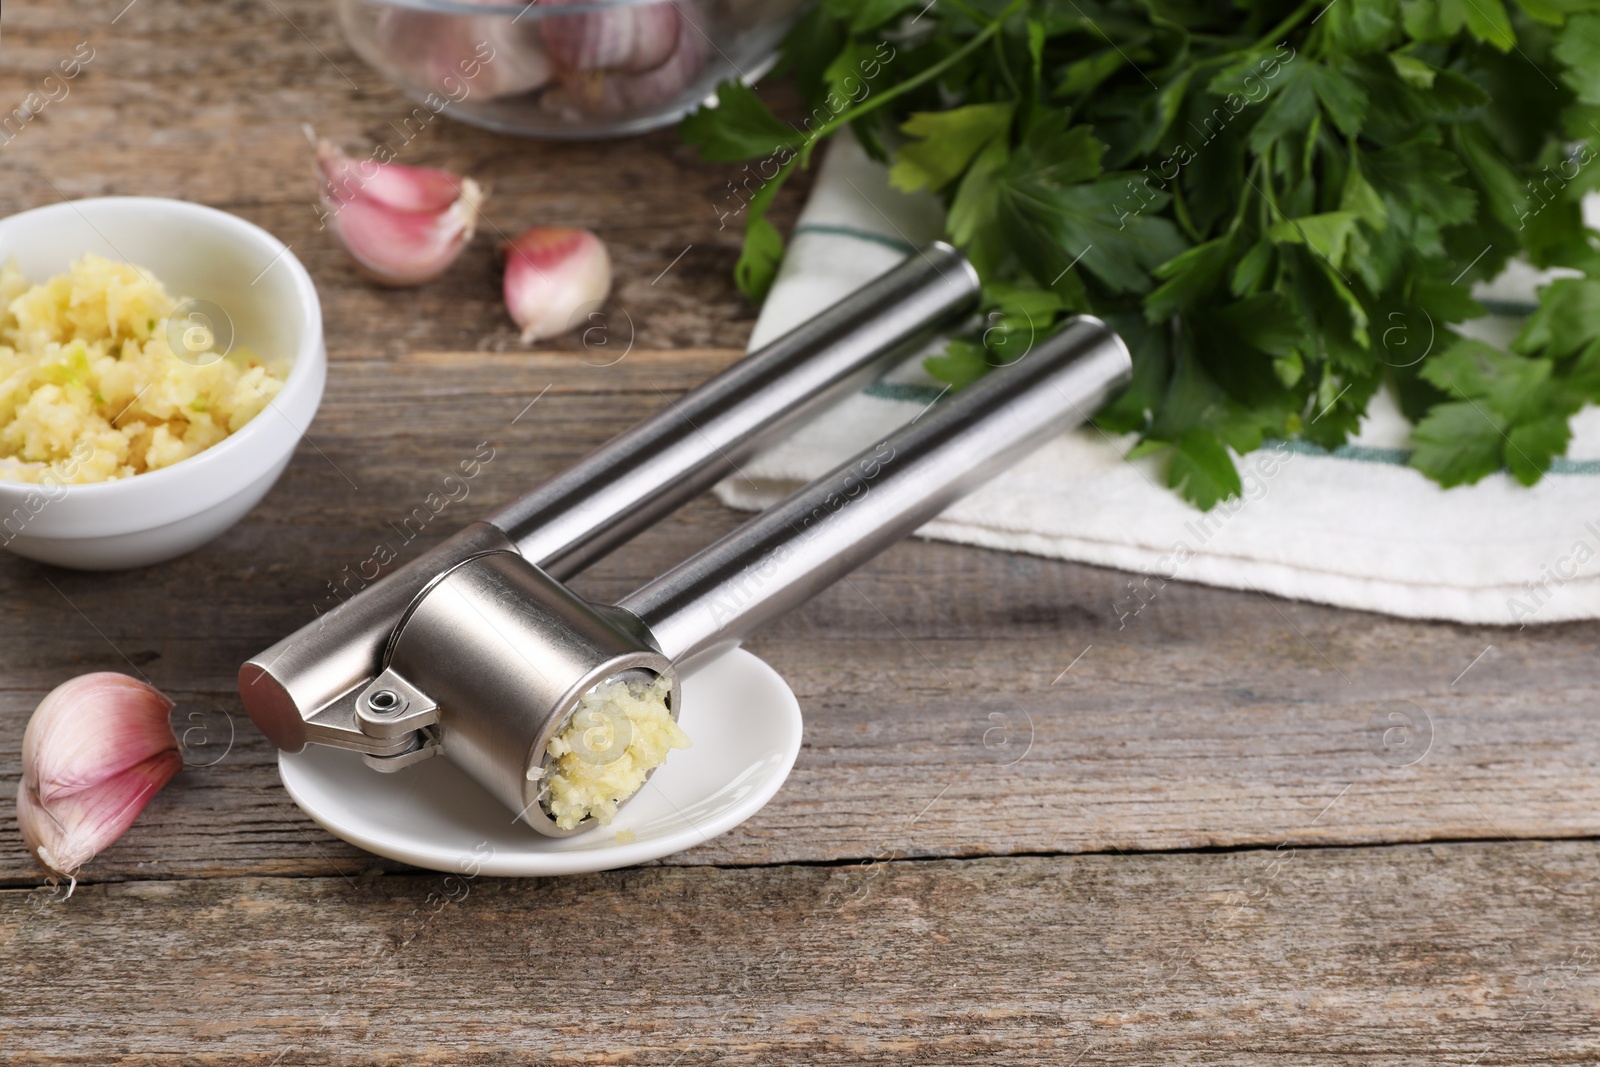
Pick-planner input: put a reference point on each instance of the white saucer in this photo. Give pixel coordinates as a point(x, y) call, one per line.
point(745, 725)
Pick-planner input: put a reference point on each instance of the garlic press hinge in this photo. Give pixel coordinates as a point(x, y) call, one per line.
point(386, 720)
point(392, 709)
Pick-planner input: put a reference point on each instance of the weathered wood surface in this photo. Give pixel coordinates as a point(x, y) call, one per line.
point(947, 745)
point(1372, 956)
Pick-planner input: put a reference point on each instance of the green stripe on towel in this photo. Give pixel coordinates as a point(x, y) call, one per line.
point(1399, 457)
point(1509, 309)
point(860, 235)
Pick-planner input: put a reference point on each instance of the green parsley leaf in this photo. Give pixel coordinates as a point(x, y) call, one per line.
point(1458, 443)
point(1440, 20)
point(1413, 71)
point(946, 142)
point(1567, 320)
point(974, 219)
point(1579, 49)
point(1523, 400)
point(739, 127)
point(757, 267)
point(962, 362)
point(1056, 215)
point(1325, 234)
point(1202, 470)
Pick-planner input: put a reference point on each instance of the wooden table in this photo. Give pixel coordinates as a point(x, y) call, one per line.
point(1192, 846)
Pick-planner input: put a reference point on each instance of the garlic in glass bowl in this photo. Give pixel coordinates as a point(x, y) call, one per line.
point(563, 68)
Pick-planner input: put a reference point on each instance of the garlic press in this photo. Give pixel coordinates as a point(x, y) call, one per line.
point(478, 653)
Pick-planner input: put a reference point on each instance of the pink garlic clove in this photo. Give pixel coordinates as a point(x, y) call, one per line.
point(96, 750)
point(411, 189)
point(552, 273)
point(634, 38)
point(610, 94)
point(402, 225)
point(462, 56)
point(653, 88)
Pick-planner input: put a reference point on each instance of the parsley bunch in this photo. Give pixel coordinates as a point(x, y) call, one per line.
point(1279, 205)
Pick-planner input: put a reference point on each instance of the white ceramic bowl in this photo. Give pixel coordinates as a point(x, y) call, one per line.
point(205, 254)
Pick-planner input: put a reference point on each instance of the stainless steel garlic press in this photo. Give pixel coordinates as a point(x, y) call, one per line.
point(303, 689)
point(477, 652)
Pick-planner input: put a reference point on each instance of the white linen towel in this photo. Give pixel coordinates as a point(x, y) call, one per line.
point(1354, 528)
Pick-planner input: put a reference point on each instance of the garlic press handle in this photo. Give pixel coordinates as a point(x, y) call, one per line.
point(305, 688)
point(805, 543)
point(638, 477)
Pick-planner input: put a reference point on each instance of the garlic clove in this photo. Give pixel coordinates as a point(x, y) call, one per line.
point(611, 94)
point(96, 750)
point(551, 274)
point(402, 225)
point(461, 56)
point(410, 189)
point(403, 249)
point(633, 38)
point(653, 88)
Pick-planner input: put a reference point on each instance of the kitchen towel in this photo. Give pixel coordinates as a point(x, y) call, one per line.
point(1354, 527)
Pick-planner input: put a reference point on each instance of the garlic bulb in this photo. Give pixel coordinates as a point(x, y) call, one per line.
point(402, 225)
point(633, 38)
point(610, 93)
point(460, 56)
point(551, 274)
point(96, 750)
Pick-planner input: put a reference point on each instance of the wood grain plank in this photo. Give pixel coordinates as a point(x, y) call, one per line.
point(1481, 954)
point(940, 717)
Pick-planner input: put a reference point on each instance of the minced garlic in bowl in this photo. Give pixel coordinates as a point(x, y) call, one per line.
point(621, 730)
point(90, 390)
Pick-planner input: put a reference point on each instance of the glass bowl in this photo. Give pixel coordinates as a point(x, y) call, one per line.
point(565, 68)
